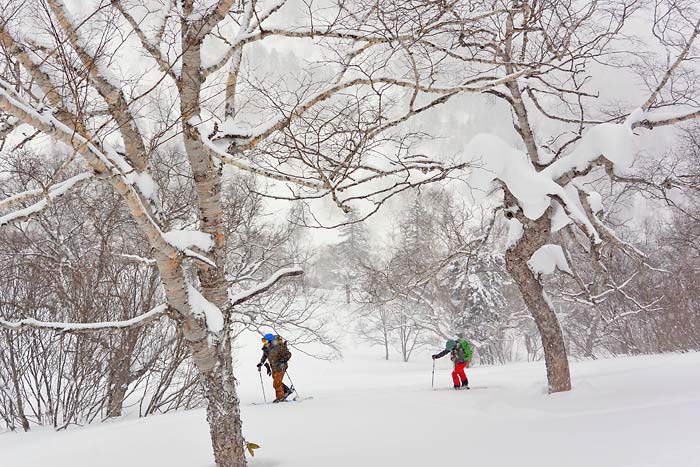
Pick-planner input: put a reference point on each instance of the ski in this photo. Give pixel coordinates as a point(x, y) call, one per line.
point(471, 388)
point(294, 399)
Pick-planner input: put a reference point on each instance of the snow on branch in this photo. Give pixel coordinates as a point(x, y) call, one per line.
point(246, 166)
point(248, 140)
point(651, 120)
point(533, 190)
point(102, 159)
point(106, 84)
point(249, 35)
point(54, 191)
point(547, 259)
point(203, 308)
point(7, 125)
point(184, 239)
point(667, 76)
point(138, 321)
point(263, 286)
point(207, 19)
point(138, 259)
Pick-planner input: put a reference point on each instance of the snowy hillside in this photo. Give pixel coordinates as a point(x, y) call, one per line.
point(636, 412)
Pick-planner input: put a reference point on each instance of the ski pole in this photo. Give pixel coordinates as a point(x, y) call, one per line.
point(262, 385)
point(292, 383)
point(432, 380)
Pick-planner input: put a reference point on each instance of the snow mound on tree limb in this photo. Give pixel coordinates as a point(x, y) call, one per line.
point(183, 239)
point(559, 217)
point(547, 259)
point(501, 161)
point(613, 141)
point(515, 231)
point(534, 190)
point(202, 307)
point(596, 201)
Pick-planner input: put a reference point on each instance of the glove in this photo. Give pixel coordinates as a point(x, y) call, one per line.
point(259, 365)
point(269, 371)
point(434, 357)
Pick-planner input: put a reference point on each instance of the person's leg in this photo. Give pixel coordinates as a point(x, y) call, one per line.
point(455, 377)
point(277, 384)
point(459, 368)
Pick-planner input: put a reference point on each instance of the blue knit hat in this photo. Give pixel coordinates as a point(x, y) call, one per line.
point(269, 337)
point(450, 344)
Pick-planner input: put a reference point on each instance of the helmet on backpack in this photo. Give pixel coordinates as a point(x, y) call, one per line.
point(268, 337)
point(450, 344)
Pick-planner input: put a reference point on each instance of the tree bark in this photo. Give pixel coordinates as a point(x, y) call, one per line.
point(213, 355)
point(15, 381)
point(117, 386)
point(223, 410)
point(535, 235)
point(120, 372)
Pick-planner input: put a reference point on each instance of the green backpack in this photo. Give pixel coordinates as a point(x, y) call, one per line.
point(467, 349)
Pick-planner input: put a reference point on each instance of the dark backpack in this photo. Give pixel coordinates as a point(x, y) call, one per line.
point(284, 352)
point(467, 349)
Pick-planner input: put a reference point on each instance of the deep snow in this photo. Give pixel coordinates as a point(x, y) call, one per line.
point(623, 412)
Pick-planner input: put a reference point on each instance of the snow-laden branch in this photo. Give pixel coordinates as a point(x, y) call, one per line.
point(7, 126)
point(138, 259)
point(184, 239)
point(249, 36)
point(667, 76)
point(651, 120)
point(263, 286)
point(246, 139)
point(107, 85)
point(55, 191)
point(205, 21)
point(247, 166)
point(32, 64)
point(204, 309)
point(102, 160)
point(533, 190)
point(138, 321)
point(547, 259)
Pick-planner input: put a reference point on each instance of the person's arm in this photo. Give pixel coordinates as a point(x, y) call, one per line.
point(264, 357)
point(441, 354)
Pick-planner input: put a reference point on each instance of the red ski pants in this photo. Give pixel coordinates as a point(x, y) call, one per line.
point(458, 375)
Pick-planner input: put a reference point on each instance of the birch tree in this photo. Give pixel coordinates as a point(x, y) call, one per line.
point(112, 81)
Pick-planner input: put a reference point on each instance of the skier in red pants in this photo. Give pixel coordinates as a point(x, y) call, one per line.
point(461, 355)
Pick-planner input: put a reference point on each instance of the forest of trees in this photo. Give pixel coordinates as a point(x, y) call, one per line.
point(420, 289)
point(144, 146)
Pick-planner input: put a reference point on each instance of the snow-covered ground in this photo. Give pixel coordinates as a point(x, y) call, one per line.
point(635, 412)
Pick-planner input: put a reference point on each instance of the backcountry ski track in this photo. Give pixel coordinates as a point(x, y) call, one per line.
point(295, 399)
point(449, 388)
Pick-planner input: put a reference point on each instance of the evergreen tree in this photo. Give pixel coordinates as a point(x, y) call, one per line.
point(350, 254)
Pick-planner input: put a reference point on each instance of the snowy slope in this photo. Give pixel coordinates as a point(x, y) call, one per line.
point(636, 412)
